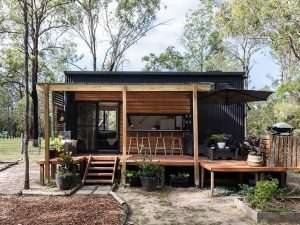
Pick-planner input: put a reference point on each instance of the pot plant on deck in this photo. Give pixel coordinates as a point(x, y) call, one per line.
point(149, 172)
point(66, 177)
point(218, 140)
point(179, 180)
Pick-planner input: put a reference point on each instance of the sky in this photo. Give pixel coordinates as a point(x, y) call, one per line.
point(157, 40)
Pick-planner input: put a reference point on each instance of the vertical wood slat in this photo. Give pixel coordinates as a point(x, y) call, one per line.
point(124, 136)
point(284, 151)
point(195, 135)
point(47, 132)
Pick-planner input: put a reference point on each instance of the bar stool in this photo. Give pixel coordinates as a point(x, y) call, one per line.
point(160, 144)
point(177, 143)
point(133, 141)
point(145, 141)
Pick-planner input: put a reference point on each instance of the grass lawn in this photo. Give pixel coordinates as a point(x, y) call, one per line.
point(10, 150)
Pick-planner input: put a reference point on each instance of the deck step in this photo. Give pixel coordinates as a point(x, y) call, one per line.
point(94, 168)
point(102, 162)
point(100, 170)
point(100, 181)
point(100, 174)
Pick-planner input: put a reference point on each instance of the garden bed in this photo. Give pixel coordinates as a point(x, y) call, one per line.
point(287, 210)
point(60, 210)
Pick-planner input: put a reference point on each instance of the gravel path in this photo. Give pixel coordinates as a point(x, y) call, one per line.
point(181, 207)
point(12, 179)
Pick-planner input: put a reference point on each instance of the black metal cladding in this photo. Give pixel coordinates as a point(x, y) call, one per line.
point(212, 118)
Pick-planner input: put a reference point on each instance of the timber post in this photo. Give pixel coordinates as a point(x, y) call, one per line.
point(124, 136)
point(195, 136)
point(46, 132)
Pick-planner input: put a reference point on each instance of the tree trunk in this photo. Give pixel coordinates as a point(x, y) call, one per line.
point(26, 116)
point(34, 96)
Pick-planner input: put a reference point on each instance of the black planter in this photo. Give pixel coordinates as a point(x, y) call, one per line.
point(66, 182)
point(179, 181)
point(134, 181)
point(149, 183)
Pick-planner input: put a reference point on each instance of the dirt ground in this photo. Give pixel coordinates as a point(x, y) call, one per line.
point(77, 210)
point(181, 207)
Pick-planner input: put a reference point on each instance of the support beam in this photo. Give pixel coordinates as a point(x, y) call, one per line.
point(46, 132)
point(195, 135)
point(124, 136)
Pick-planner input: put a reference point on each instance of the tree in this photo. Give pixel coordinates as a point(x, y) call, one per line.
point(170, 60)
point(24, 7)
point(204, 48)
point(84, 19)
point(123, 23)
point(240, 24)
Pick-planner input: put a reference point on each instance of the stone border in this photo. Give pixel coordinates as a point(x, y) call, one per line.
point(9, 164)
point(269, 217)
point(124, 205)
point(51, 193)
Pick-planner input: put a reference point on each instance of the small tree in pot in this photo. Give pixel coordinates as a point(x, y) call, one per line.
point(149, 172)
point(66, 177)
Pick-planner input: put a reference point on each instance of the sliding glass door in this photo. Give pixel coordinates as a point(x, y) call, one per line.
point(107, 136)
point(98, 127)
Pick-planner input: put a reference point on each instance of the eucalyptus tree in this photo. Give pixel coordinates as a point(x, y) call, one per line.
point(242, 27)
point(118, 25)
point(169, 60)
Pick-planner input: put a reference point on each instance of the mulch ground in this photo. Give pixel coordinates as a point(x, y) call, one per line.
point(81, 210)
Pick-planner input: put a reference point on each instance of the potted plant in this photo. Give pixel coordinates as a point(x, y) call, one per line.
point(217, 139)
point(179, 180)
point(255, 158)
point(66, 177)
point(133, 178)
point(149, 172)
point(56, 147)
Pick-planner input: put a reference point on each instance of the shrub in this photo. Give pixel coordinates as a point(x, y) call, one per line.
point(262, 194)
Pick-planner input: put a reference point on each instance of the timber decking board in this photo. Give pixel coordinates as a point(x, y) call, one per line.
point(235, 166)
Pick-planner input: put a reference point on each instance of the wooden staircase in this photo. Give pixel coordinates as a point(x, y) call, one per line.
point(100, 170)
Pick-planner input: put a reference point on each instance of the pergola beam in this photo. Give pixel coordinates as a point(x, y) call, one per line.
point(128, 87)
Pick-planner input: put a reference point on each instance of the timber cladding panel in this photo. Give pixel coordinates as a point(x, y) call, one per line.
point(158, 102)
point(145, 102)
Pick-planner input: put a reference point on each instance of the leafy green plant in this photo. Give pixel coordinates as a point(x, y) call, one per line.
point(131, 173)
point(262, 194)
point(56, 143)
point(148, 168)
point(215, 138)
point(66, 164)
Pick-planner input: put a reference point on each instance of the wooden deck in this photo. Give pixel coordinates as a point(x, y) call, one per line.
point(235, 166)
